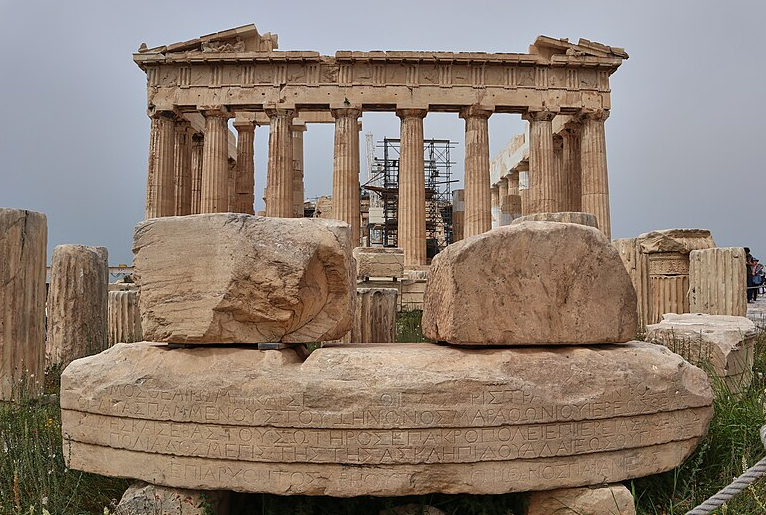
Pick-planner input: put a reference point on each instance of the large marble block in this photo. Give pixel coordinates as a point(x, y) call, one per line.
point(530, 283)
point(236, 278)
point(379, 262)
point(376, 419)
point(726, 344)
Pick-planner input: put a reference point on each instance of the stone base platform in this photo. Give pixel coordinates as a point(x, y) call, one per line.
point(382, 420)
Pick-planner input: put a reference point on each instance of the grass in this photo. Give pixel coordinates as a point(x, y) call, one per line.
point(33, 476)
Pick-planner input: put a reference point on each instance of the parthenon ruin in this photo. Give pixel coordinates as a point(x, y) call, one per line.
point(240, 74)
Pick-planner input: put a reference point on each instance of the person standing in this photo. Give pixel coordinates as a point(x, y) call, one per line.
point(750, 264)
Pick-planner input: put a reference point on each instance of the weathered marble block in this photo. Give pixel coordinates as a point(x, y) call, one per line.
point(124, 317)
point(23, 240)
point(718, 281)
point(375, 320)
point(530, 283)
point(379, 262)
point(236, 278)
point(78, 299)
point(725, 343)
point(571, 217)
point(605, 500)
point(375, 419)
point(145, 499)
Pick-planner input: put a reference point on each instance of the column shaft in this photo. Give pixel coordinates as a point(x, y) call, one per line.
point(245, 179)
point(215, 162)
point(559, 190)
point(542, 168)
point(298, 194)
point(411, 229)
point(279, 176)
point(160, 190)
point(345, 177)
point(595, 181)
point(478, 204)
point(182, 168)
point(571, 167)
point(196, 172)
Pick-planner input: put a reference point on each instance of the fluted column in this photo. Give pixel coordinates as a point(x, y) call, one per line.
point(542, 167)
point(513, 182)
point(196, 171)
point(571, 167)
point(478, 204)
point(559, 191)
point(182, 168)
point(279, 175)
point(298, 194)
point(411, 229)
point(345, 176)
point(215, 161)
point(244, 182)
point(494, 194)
point(160, 190)
point(595, 181)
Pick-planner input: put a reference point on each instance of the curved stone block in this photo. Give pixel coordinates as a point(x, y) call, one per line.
point(383, 420)
point(530, 283)
point(236, 278)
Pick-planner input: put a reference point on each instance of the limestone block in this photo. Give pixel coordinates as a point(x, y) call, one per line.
point(249, 279)
point(412, 294)
point(608, 500)
point(145, 499)
point(23, 241)
point(375, 320)
point(124, 317)
point(530, 283)
point(566, 217)
point(718, 281)
point(379, 262)
point(676, 240)
point(724, 343)
point(78, 298)
point(380, 419)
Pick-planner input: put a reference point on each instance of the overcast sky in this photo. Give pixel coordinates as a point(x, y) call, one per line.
point(685, 138)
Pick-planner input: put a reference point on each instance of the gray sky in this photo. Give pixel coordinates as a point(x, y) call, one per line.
point(683, 138)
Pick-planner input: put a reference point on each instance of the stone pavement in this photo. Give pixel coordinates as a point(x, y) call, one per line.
point(756, 311)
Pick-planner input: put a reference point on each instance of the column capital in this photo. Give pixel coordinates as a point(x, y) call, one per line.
point(572, 128)
point(411, 113)
point(346, 112)
point(558, 142)
point(299, 127)
point(475, 111)
point(168, 114)
point(244, 120)
point(219, 111)
point(539, 116)
point(598, 115)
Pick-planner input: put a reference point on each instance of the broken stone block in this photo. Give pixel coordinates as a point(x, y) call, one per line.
point(23, 254)
point(236, 278)
point(570, 217)
point(722, 343)
point(380, 419)
point(375, 320)
point(379, 262)
point(608, 500)
point(145, 499)
point(78, 298)
point(530, 283)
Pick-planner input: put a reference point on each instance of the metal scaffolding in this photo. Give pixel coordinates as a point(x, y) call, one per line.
point(383, 188)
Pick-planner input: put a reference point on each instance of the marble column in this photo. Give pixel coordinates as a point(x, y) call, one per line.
point(560, 198)
point(478, 206)
point(345, 176)
point(196, 171)
point(513, 182)
point(232, 185)
point(244, 183)
point(160, 190)
point(182, 168)
point(279, 175)
point(542, 196)
point(458, 214)
point(23, 252)
point(505, 209)
point(215, 161)
point(595, 181)
point(298, 194)
point(411, 228)
point(494, 193)
point(571, 167)
point(502, 185)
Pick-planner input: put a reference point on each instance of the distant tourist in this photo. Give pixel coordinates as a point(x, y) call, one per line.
point(752, 288)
